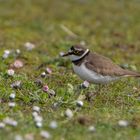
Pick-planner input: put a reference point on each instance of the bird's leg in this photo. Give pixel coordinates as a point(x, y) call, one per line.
point(99, 89)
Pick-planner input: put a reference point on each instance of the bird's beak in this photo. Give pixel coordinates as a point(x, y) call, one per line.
point(67, 54)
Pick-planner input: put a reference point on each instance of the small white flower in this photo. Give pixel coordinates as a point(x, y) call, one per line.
point(34, 114)
point(10, 121)
point(29, 46)
point(61, 54)
point(7, 52)
point(79, 103)
point(43, 74)
point(12, 104)
point(123, 123)
point(16, 84)
point(51, 92)
point(2, 125)
point(36, 108)
point(18, 64)
point(48, 70)
point(10, 72)
point(85, 84)
point(5, 56)
point(29, 136)
point(12, 96)
point(45, 134)
point(38, 119)
point(18, 51)
point(45, 88)
point(91, 129)
point(55, 105)
point(69, 113)
point(39, 124)
point(18, 137)
point(53, 124)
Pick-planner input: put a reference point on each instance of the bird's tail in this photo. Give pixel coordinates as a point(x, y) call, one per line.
point(129, 73)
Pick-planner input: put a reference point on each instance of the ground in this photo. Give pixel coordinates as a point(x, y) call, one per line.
point(110, 28)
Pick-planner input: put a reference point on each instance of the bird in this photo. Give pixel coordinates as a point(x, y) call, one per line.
point(95, 68)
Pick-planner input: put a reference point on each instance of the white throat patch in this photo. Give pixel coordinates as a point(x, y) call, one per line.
point(75, 57)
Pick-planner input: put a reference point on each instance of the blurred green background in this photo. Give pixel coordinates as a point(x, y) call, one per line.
point(111, 28)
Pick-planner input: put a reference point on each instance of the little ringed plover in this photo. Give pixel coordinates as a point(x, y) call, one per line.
point(95, 68)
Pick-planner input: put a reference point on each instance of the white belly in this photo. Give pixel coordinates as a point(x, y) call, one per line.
point(91, 76)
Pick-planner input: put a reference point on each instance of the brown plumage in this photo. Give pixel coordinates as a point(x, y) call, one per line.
point(105, 66)
point(104, 70)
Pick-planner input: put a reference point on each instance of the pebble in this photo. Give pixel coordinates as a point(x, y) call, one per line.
point(10, 121)
point(12, 96)
point(38, 124)
point(2, 125)
point(18, 64)
point(45, 88)
point(12, 104)
point(68, 113)
point(85, 84)
point(53, 124)
point(48, 71)
point(16, 84)
point(43, 74)
point(36, 108)
point(29, 46)
point(45, 134)
point(39, 82)
point(10, 72)
point(91, 129)
point(123, 123)
point(79, 103)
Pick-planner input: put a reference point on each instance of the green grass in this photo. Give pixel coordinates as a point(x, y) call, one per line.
point(107, 27)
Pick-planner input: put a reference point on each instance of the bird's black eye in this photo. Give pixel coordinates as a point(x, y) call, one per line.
point(72, 48)
point(76, 52)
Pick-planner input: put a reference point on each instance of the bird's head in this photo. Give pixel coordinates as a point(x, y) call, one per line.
point(76, 52)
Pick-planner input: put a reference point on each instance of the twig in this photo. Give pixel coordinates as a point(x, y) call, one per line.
point(68, 31)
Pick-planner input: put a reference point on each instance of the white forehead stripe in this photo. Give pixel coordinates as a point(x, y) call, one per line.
point(78, 49)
